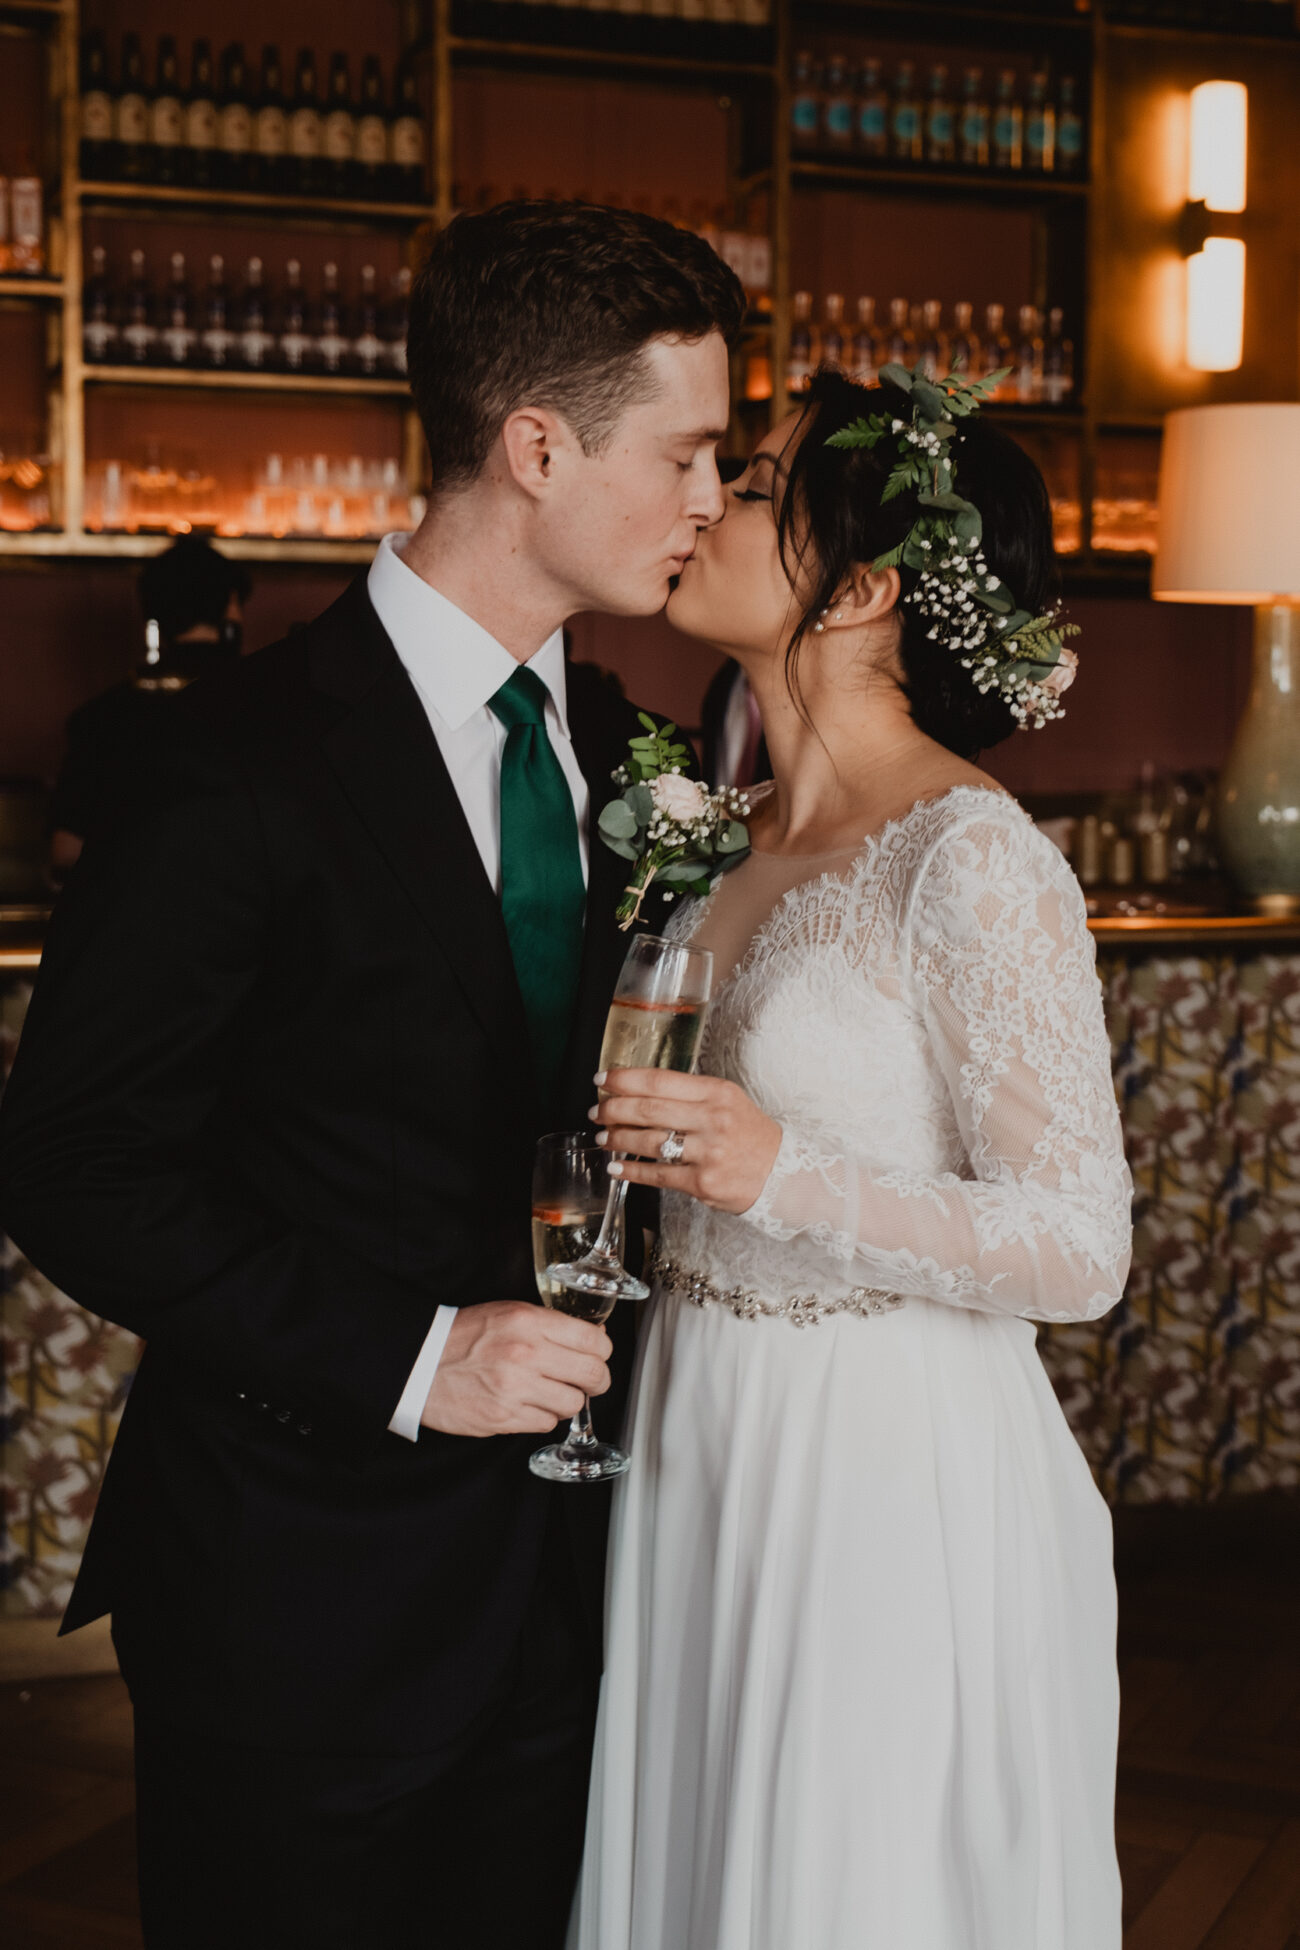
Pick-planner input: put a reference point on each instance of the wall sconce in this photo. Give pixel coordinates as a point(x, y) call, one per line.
point(1215, 250)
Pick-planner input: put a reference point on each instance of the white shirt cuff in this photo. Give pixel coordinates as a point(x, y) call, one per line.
point(406, 1416)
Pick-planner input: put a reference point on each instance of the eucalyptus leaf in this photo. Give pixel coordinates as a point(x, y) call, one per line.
point(899, 375)
point(676, 872)
point(641, 801)
point(733, 837)
point(624, 848)
point(618, 821)
point(929, 399)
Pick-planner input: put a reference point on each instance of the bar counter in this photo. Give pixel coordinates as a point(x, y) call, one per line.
point(1188, 1391)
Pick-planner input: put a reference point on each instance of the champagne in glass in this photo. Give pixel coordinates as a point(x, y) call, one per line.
point(569, 1181)
point(654, 1023)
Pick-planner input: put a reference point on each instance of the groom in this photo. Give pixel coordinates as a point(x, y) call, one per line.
point(302, 1017)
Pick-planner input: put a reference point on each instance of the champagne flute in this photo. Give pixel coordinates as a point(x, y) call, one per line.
point(569, 1179)
point(655, 1022)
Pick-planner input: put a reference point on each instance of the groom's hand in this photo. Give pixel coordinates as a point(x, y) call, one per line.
point(513, 1369)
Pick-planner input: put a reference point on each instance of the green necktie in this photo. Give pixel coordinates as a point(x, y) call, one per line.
point(543, 898)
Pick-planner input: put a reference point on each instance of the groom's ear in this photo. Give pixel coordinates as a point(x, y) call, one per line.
point(870, 596)
point(531, 438)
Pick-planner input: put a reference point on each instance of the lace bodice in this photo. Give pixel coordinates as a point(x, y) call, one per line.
point(926, 1025)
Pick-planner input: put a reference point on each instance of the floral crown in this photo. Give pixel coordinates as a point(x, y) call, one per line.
point(1005, 649)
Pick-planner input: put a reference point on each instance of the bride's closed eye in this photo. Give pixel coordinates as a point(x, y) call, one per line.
point(751, 494)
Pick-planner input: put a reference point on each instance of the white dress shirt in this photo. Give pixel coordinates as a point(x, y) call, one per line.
point(456, 666)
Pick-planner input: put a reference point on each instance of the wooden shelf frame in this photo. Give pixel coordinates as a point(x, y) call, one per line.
point(266, 206)
point(195, 380)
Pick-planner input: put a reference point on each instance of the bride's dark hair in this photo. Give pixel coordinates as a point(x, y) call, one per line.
point(831, 520)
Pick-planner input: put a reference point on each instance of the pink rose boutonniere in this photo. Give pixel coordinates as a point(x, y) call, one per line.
point(673, 829)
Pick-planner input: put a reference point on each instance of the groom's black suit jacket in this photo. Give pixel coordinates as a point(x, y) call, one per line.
point(273, 1104)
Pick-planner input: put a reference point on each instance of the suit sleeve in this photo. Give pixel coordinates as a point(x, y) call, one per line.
point(112, 1175)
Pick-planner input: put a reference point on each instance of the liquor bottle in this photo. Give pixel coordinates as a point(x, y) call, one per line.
point(906, 128)
point(865, 355)
point(339, 131)
point(837, 105)
point(406, 142)
point(1058, 360)
point(367, 355)
point(176, 340)
point(217, 341)
point(26, 214)
point(98, 326)
point(1040, 127)
point(964, 347)
point(372, 133)
point(166, 115)
point(900, 342)
point(805, 102)
point(200, 162)
point(98, 154)
point(833, 335)
point(305, 127)
point(1069, 130)
point(234, 121)
point(998, 351)
point(270, 127)
point(975, 120)
point(139, 334)
point(1008, 124)
point(330, 340)
point(1028, 375)
point(940, 119)
point(801, 358)
point(254, 344)
point(395, 320)
point(293, 346)
point(873, 112)
point(932, 350)
point(131, 114)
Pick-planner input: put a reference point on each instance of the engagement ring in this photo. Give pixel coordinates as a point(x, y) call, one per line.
point(672, 1148)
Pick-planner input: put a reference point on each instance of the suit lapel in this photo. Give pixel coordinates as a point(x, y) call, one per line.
point(596, 744)
point(387, 761)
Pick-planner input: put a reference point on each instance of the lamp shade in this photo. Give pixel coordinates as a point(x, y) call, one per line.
point(1229, 519)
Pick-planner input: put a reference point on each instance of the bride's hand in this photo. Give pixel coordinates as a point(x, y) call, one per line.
point(730, 1145)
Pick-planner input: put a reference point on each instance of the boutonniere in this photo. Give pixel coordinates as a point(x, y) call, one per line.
point(672, 829)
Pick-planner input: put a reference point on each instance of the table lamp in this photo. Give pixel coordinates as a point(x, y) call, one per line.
point(1230, 533)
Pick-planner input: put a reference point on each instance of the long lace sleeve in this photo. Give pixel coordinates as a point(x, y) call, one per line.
point(1037, 1223)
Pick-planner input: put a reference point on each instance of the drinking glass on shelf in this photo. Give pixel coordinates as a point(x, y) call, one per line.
point(569, 1181)
point(654, 1023)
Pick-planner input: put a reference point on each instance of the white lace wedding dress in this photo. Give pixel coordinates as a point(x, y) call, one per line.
point(860, 1690)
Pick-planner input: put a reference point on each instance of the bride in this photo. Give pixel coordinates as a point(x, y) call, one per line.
point(860, 1689)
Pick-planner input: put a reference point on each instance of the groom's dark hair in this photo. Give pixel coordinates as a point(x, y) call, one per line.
point(552, 304)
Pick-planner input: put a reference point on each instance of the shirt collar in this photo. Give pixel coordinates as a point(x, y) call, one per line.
point(455, 664)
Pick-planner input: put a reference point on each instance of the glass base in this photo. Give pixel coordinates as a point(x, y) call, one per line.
point(609, 1283)
point(586, 1462)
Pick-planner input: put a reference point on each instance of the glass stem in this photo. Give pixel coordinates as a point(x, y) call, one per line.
point(581, 1434)
point(606, 1247)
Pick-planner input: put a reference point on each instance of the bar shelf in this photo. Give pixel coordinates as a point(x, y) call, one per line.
point(196, 380)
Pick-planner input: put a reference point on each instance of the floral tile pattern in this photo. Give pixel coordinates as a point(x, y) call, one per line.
point(1188, 1390)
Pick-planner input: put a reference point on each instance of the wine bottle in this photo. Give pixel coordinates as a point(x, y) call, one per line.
point(964, 350)
point(131, 114)
point(906, 122)
point(1008, 124)
point(166, 115)
point(833, 331)
point(98, 151)
point(800, 359)
point(292, 343)
point(940, 120)
point(395, 321)
point(177, 338)
point(254, 344)
point(201, 119)
point(1069, 130)
point(270, 127)
point(139, 334)
point(99, 332)
point(234, 120)
point(367, 346)
point(406, 142)
point(1040, 127)
point(305, 127)
point(837, 105)
point(975, 120)
point(331, 345)
point(900, 344)
point(372, 133)
point(932, 351)
point(998, 351)
point(1058, 360)
point(805, 102)
point(338, 134)
point(873, 112)
point(864, 357)
point(216, 343)
point(1028, 375)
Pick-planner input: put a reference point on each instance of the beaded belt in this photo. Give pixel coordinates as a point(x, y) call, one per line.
point(800, 1309)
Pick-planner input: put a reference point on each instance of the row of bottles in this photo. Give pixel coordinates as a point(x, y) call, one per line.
point(255, 329)
point(310, 495)
point(233, 129)
point(22, 225)
point(1041, 362)
point(853, 111)
point(726, 13)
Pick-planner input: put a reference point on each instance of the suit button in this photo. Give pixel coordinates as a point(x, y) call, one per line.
point(263, 1407)
point(241, 1396)
point(284, 1415)
point(304, 1428)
